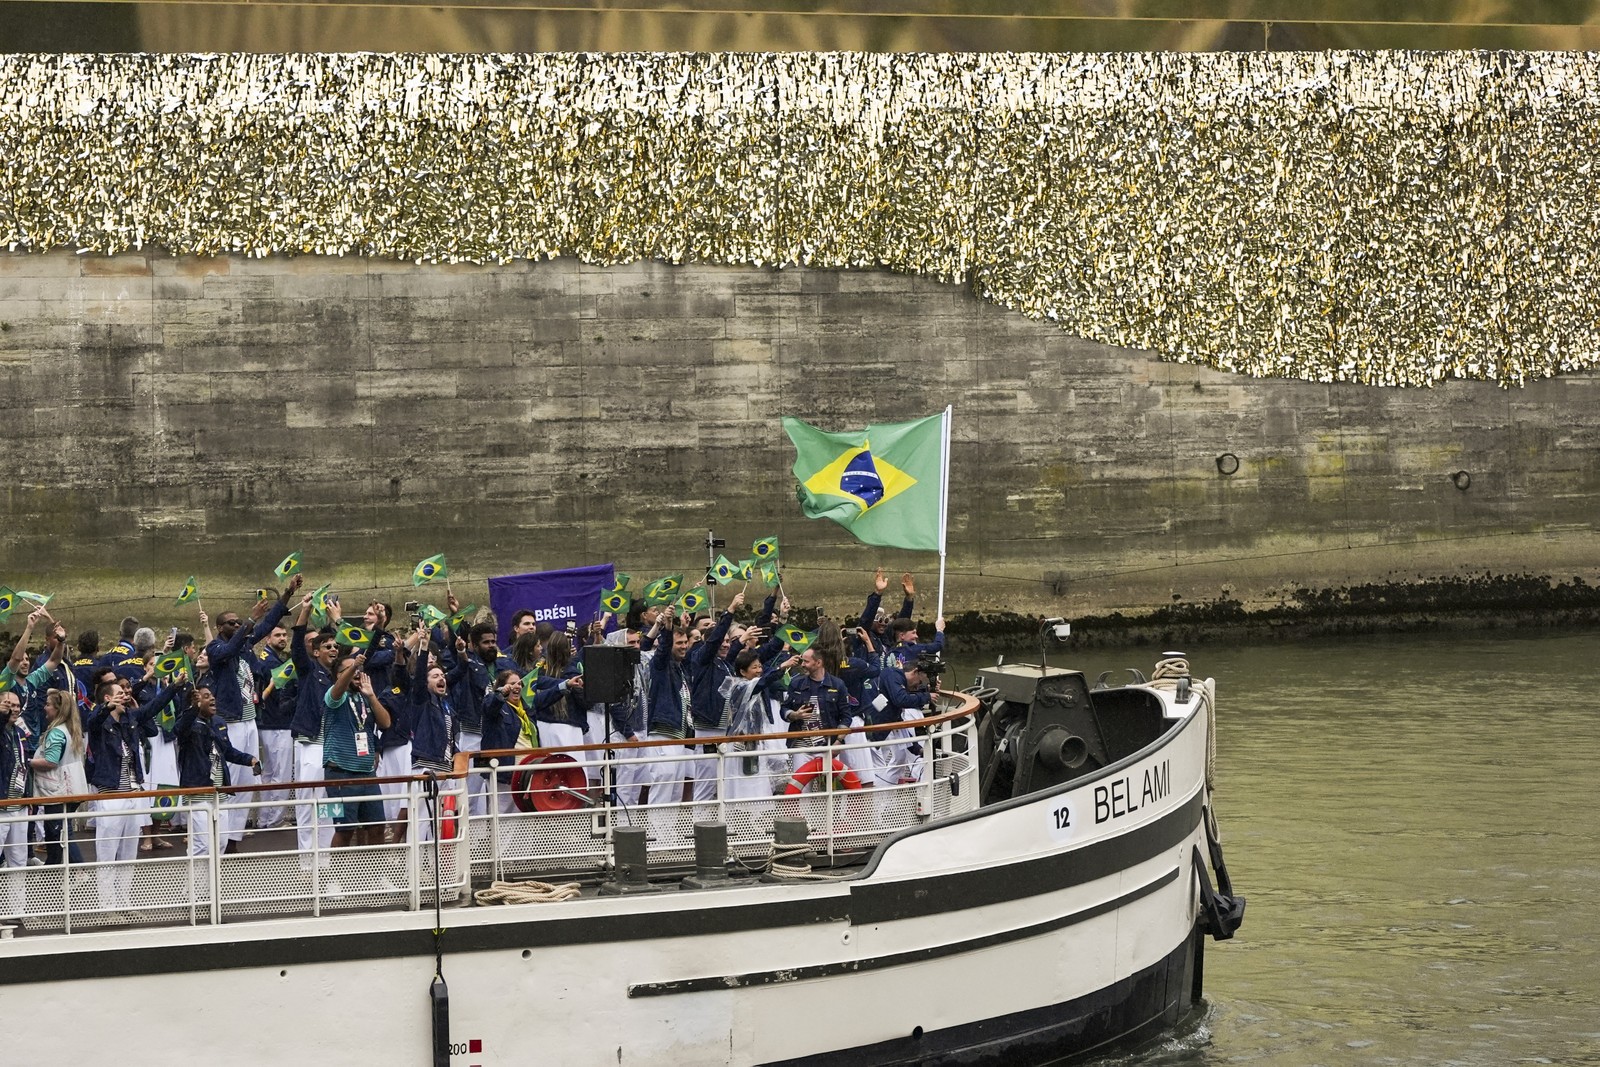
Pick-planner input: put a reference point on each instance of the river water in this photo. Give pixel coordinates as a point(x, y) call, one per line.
point(1413, 822)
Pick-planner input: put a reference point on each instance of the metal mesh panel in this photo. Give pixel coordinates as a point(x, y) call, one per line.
point(175, 888)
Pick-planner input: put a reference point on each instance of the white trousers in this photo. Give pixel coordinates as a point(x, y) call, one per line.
point(665, 775)
point(277, 765)
point(116, 845)
point(14, 850)
point(244, 737)
point(393, 762)
point(200, 826)
point(704, 772)
point(308, 792)
point(477, 781)
point(632, 772)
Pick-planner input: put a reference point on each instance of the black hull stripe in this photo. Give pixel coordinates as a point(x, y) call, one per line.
point(865, 904)
point(898, 959)
point(1135, 1009)
point(936, 894)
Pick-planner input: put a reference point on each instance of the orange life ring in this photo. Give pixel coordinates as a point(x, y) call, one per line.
point(447, 817)
point(846, 778)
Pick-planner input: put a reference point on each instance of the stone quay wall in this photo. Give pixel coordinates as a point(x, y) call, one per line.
point(172, 416)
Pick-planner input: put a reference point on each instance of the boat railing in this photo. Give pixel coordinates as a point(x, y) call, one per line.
point(540, 813)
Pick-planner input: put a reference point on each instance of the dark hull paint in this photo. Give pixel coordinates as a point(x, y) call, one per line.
point(1125, 1013)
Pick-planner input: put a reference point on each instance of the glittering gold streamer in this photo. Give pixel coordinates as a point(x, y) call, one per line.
point(1391, 218)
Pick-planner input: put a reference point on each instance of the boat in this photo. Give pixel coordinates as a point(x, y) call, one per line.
point(1040, 890)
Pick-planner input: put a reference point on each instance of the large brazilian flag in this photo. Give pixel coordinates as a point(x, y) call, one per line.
point(882, 483)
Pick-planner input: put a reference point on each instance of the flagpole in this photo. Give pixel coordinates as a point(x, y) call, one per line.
point(944, 499)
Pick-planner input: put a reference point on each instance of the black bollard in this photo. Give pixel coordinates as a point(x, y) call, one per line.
point(710, 856)
point(631, 871)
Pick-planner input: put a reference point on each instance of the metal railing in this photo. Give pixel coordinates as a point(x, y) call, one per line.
point(550, 811)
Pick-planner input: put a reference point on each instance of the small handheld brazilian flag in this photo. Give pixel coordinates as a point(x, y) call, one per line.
point(663, 590)
point(769, 573)
point(191, 592)
point(616, 602)
point(693, 600)
point(8, 680)
point(170, 664)
point(796, 638)
point(462, 616)
point(530, 685)
point(429, 570)
point(352, 636)
point(290, 565)
point(764, 549)
point(319, 606)
point(38, 599)
point(724, 570)
point(8, 602)
point(431, 615)
point(284, 675)
point(747, 569)
point(622, 581)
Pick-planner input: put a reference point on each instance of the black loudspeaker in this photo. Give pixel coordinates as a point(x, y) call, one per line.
point(608, 672)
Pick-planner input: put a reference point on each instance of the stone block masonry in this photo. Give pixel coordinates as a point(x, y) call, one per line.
point(168, 416)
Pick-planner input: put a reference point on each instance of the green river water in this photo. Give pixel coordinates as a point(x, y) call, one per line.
point(1413, 822)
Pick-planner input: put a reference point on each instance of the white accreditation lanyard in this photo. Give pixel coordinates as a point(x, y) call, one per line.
point(358, 712)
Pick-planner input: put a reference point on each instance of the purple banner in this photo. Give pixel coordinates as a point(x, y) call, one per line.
point(556, 597)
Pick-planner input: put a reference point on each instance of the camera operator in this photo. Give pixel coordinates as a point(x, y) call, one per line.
point(907, 693)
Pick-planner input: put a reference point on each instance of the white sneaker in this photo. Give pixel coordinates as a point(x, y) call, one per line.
point(35, 861)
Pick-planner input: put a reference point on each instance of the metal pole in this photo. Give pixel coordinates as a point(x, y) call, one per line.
point(216, 862)
point(413, 851)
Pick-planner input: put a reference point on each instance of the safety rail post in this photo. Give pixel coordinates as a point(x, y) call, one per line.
point(722, 793)
point(493, 802)
point(925, 779)
point(64, 842)
point(610, 799)
point(316, 850)
point(827, 796)
point(215, 870)
point(463, 840)
point(413, 849)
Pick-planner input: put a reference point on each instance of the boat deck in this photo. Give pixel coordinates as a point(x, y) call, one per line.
point(567, 836)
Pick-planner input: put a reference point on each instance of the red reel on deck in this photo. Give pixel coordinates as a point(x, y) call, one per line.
point(549, 783)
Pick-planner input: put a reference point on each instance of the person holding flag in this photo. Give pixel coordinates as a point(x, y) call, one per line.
point(313, 658)
point(352, 716)
point(116, 766)
point(235, 687)
point(280, 690)
point(435, 726)
point(708, 666)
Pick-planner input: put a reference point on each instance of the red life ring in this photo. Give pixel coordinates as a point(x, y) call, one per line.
point(548, 783)
point(845, 778)
point(447, 817)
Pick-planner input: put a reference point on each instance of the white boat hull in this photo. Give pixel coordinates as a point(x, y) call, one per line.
point(1025, 932)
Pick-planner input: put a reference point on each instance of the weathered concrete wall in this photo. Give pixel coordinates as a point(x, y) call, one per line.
point(173, 416)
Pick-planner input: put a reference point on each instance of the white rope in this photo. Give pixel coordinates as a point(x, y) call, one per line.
point(527, 893)
point(1166, 676)
point(778, 865)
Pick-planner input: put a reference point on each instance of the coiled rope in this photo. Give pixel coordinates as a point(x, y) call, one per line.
point(529, 892)
point(1165, 677)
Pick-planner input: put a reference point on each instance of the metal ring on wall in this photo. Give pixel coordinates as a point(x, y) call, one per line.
point(1462, 480)
point(1227, 464)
